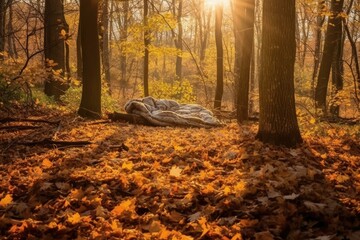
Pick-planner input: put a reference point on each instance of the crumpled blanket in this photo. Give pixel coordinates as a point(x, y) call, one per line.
point(163, 112)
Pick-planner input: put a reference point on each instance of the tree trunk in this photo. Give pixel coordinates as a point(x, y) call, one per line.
point(10, 29)
point(318, 36)
point(278, 124)
point(123, 40)
point(146, 48)
point(244, 35)
point(56, 31)
point(2, 27)
point(178, 41)
point(333, 31)
point(337, 68)
point(105, 43)
point(90, 105)
point(219, 57)
point(79, 58)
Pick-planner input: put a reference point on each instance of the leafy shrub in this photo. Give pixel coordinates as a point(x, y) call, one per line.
point(72, 98)
point(10, 91)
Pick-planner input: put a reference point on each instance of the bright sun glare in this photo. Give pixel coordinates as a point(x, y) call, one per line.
point(211, 3)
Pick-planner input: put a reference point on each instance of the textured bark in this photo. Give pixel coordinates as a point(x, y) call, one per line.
point(146, 50)
point(2, 27)
point(244, 35)
point(79, 59)
point(105, 42)
point(123, 40)
point(90, 106)
point(278, 124)
point(219, 57)
point(56, 31)
point(10, 36)
point(337, 68)
point(318, 36)
point(331, 41)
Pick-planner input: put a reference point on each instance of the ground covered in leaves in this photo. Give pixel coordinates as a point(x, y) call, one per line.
point(137, 182)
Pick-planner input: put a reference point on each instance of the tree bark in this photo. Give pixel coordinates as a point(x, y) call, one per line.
point(79, 58)
point(278, 124)
point(318, 36)
point(90, 106)
point(178, 41)
point(123, 39)
point(337, 68)
point(333, 31)
point(56, 31)
point(219, 57)
point(244, 35)
point(2, 27)
point(105, 43)
point(146, 48)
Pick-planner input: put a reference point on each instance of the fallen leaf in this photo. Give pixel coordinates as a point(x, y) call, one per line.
point(204, 226)
point(315, 207)
point(6, 200)
point(175, 171)
point(46, 163)
point(273, 194)
point(74, 218)
point(127, 205)
point(291, 197)
point(127, 165)
point(342, 178)
point(194, 217)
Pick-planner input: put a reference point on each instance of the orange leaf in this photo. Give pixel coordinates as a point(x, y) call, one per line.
point(127, 205)
point(46, 163)
point(74, 219)
point(175, 171)
point(6, 200)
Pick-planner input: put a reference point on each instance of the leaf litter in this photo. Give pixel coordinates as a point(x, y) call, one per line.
point(138, 182)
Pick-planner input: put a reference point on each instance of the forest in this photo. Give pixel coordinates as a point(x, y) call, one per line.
point(180, 119)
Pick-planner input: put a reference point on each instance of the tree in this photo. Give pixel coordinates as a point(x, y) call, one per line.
point(90, 105)
point(124, 32)
point(79, 58)
point(146, 48)
point(244, 34)
point(178, 40)
point(56, 31)
point(278, 124)
point(2, 27)
point(219, 57)
point(318, 36)
point(104, 43)
point(332, 37)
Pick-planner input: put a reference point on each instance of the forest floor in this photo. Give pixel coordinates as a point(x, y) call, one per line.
point(138, 182)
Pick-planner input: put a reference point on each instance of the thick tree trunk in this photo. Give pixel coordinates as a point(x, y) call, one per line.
point(333, 31)
point(10, 36)
point(219, 57)
point(56, 30)
point(278, 124)
point(244, 35)
point(90, 105)
point(146, 48)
